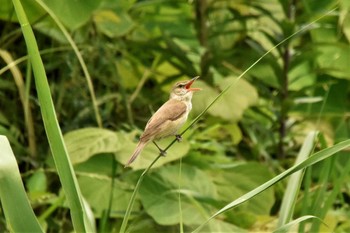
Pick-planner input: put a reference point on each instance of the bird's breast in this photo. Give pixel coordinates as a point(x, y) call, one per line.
point(171, 127)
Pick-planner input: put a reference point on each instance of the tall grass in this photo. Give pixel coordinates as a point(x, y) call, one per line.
point(79, 209)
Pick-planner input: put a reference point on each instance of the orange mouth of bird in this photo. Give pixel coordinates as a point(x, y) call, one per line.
point(189, 84)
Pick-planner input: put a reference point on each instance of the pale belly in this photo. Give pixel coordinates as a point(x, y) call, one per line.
point(170, 128)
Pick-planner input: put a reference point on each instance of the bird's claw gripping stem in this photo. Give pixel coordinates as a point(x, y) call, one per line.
point(161, 151)
point(178, 137)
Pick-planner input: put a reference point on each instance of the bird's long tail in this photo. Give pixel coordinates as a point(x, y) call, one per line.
point(136, 153)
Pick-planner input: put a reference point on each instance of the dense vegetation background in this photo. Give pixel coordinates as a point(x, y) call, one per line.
point(134, 51)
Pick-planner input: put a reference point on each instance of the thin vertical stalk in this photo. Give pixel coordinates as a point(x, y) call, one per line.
point(23, 91)
point(284, 86)
point(201, 10)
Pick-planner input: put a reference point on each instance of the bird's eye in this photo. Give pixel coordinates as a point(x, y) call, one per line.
point(181, 85)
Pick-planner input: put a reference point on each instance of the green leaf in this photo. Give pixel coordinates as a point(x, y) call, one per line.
point(160, 190)
point(19, 214)
point(150, 152)
point(33, 11)
point(84, 143)
point(97, 189)
point(37, 182)
point(236, 181)
point(73, 14)
point(232, 104)
point(344, 20)
point(112, 24)
point(334, 58)
point(301, 76)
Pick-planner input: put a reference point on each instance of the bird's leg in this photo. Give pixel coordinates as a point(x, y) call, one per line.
point(162, 152)
point(178, 137)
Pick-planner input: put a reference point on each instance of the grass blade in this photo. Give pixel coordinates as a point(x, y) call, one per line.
point(80, 219)
point(291, 192)
point(316, 157)
point(286, 227)
point(19, 214)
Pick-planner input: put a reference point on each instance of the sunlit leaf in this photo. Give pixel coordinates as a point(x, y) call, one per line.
point(232, 104)
point(84, 143)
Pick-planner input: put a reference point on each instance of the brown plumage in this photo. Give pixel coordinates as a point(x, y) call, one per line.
point(168, 119)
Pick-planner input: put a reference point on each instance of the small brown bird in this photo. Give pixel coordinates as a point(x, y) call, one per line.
point(169, 118)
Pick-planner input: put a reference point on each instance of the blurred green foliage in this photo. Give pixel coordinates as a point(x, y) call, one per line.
point(135, 50)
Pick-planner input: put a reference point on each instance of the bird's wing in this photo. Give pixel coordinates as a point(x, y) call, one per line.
point(170, 110)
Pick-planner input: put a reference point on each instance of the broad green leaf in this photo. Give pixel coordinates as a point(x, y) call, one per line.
point(232, 104)
point(334, 59)
point(84, 143)
point(34, 12)
point(112, 24)
point(19, 214)
point(333, 55)
point(150, 152)
point(100, 164)
point(97, 190)
point(159, 194)
point(236, 181)
point(73, 14)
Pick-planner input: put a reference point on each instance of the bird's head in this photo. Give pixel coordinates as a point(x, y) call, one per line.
point(183, 90)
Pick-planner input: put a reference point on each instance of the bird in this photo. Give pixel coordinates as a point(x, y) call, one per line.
point(168, 119)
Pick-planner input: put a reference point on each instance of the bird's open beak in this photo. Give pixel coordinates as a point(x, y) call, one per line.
point(188, 85)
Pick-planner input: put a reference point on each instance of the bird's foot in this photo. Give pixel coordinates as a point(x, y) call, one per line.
point(178, 138)
point(161, 151)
